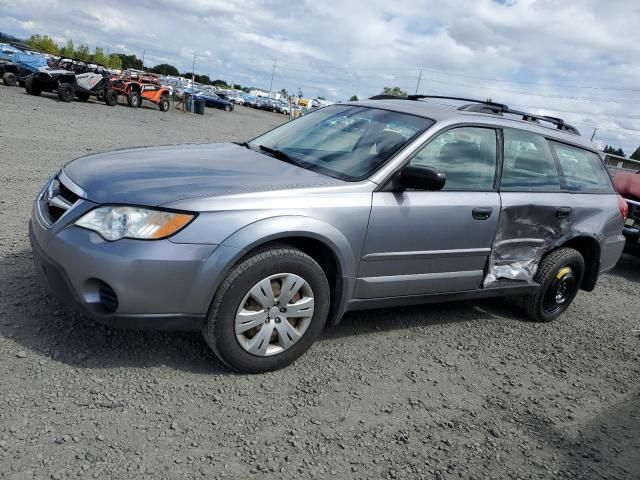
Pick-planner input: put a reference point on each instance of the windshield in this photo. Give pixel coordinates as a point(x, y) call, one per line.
point(343, 141)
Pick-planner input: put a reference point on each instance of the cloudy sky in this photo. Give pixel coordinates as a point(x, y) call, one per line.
point(579, 60)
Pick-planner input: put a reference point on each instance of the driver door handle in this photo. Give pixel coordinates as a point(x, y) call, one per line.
point(482, 213)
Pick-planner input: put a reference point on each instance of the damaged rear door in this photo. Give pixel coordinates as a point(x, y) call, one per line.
point(536, 212)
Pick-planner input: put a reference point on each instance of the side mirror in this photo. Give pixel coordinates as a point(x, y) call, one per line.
point(422, 178)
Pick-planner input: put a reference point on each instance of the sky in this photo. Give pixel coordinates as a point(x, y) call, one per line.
point(578, 60)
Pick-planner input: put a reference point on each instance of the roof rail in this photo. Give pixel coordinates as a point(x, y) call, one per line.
point(491, 107)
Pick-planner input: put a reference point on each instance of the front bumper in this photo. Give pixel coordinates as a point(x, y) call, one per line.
point(159, 285)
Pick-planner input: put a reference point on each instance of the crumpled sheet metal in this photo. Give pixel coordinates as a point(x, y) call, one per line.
point(525, 233)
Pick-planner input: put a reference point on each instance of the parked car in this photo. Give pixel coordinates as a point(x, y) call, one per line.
point(250, 101)
point(283, 107)
point(213, 100)
point(360, 205)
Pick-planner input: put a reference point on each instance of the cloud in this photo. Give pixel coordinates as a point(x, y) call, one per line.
point(579, 60)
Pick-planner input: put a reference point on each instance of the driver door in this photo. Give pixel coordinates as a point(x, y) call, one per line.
point(422, 242)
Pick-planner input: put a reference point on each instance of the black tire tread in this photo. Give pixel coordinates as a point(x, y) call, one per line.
point(241, 267)
point(548, 266)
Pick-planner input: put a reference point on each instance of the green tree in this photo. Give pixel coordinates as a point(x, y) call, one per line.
point(114, 62)
point(284, 93)
point(220, 83)
point(237, 86)
point(99, 56)
point(44, 44)
point(68, 50)
point(204, 79)
point(130, 61)
point(354, 98)
point(82, 52)
point(165, 69)
point(636, 155)
point(395, 91)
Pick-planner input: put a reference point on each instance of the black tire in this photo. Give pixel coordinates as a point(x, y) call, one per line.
point(31, 85)
point(22, 83)
point(227, 108)
point(83, 96)
point(66, 92)
point(9, 79)
point(219, 328)
point(133, 99)
point(164, 104)
point(111, 97)
point(560, 276)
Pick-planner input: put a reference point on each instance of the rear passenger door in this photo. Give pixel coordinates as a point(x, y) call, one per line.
point(536, 210)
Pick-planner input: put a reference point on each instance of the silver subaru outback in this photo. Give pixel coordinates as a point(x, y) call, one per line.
point(359, 205)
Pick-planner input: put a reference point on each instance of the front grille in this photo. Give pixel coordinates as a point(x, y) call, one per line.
point(108, 298)
point(56, 199)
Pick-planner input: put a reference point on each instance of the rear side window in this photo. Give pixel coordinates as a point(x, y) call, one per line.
point(582, 170)
point(466, 155)
point(528, 163)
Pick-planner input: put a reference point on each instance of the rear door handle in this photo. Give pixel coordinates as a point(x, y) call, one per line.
point(482, 213)
point(564, 212)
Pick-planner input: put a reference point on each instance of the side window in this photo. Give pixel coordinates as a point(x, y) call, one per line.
point(466, 155)
point(528, 164)
point(582, 170)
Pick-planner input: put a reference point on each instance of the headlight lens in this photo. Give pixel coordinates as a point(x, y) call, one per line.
point(116, 222)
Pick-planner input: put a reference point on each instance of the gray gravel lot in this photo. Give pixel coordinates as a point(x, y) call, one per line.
point(465, 390)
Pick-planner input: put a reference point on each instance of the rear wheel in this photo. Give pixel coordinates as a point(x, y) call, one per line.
point(83, 96)
point(268, 311)
point(560, 276)
point(31, 85)
point(111, 97)
point(133, 99)
point(66, 92)
point(9, 79)
point(164, 104)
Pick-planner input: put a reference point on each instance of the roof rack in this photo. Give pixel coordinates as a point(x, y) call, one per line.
point(488, 106)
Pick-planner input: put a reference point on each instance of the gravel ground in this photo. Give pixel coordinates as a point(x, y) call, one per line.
point(465, 390)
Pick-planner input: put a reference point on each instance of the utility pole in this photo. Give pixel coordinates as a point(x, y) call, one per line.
point(193, 72)
point(143, 53)
point(418, 85)
point(594, 134)
point(272, 73)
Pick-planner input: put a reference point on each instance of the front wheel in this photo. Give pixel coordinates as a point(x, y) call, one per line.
point(268, 311)
point(227, 108)
point(66, 92)
point(164, 104)
point(560, 276)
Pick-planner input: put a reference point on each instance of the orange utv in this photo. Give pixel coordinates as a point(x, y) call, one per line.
point(138, 86)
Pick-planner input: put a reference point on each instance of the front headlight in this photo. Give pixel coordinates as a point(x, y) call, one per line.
point(116, 222)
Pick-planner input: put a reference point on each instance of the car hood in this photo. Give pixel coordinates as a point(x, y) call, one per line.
point(158, 175)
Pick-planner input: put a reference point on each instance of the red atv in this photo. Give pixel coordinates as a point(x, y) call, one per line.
point(138, 86)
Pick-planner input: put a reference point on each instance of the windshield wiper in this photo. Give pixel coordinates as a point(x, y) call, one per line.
point(280, 155)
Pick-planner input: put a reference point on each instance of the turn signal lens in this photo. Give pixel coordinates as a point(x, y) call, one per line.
point(116, 222)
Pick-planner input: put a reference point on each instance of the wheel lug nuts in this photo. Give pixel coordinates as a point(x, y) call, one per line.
point(283, 310)
point(276, 303)
point(267, 320)
point(277, 319)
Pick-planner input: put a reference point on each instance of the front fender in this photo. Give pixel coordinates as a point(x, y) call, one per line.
point(238, 244)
